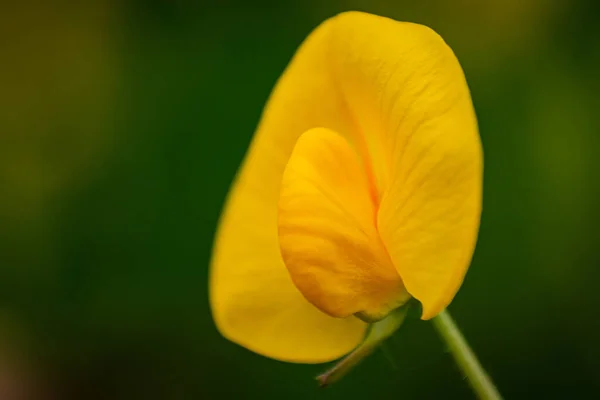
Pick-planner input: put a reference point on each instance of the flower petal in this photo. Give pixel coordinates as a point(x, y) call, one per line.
point(406, 91)
point(327, 231)
point(429, 216)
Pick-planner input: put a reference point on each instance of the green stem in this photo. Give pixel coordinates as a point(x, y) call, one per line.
point(465, 358)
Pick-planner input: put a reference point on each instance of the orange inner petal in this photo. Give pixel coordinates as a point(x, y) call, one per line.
point(327, 231)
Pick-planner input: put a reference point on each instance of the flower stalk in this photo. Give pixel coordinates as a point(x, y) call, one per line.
point(466, 360)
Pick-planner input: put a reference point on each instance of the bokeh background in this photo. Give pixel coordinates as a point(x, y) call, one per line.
point(122, 124)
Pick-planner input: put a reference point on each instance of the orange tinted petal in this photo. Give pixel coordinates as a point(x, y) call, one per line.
point(327, 232)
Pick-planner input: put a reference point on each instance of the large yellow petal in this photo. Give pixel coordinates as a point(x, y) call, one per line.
point(327, 231)
point(407, 93)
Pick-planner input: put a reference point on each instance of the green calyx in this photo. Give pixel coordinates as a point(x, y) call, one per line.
point(378, 332)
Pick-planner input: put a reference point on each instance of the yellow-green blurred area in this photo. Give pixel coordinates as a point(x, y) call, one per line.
point(123, 123)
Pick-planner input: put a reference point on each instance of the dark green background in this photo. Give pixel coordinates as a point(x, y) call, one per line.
point(122, 125)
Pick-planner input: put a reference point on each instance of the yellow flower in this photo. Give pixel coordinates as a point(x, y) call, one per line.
point(361, 190)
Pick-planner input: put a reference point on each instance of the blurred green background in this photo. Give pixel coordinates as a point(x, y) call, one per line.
point(123, 123)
